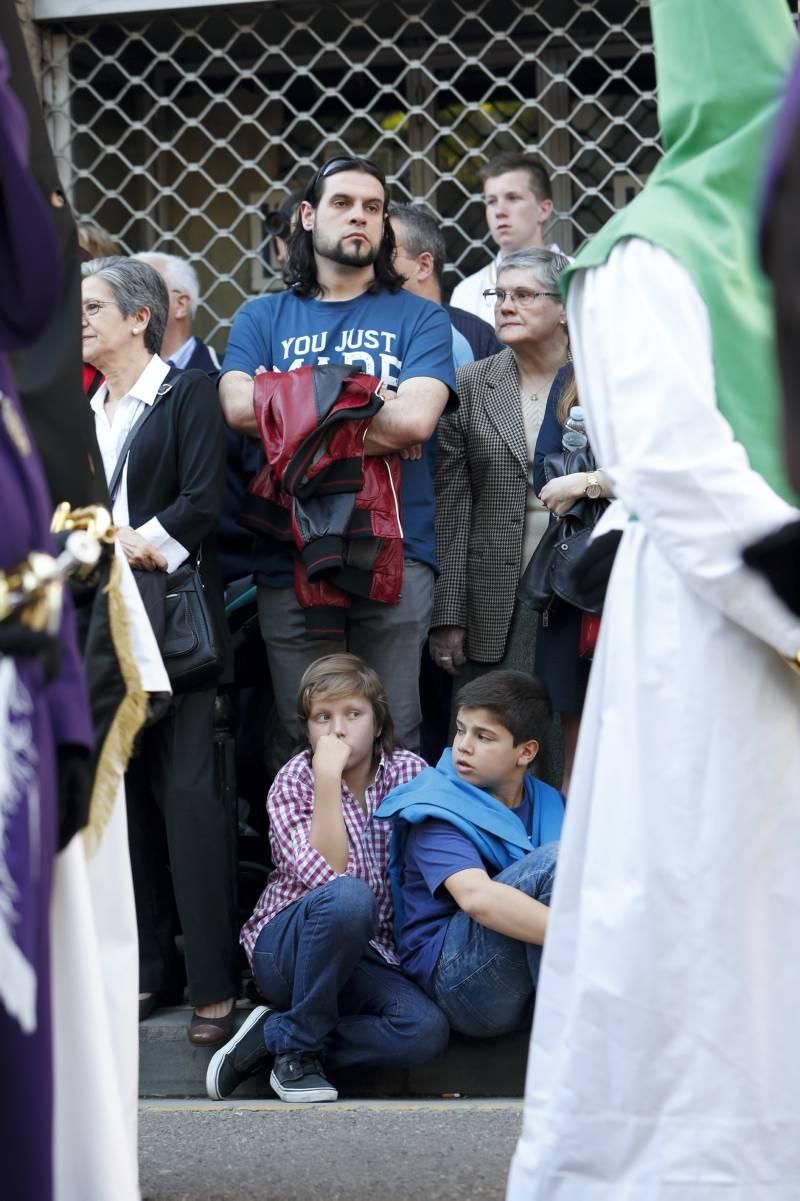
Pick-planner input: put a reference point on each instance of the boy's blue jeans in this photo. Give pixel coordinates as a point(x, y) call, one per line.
point(337, 995)
point(485, 981)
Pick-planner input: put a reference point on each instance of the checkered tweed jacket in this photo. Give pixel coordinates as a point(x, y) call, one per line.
point(481, 492)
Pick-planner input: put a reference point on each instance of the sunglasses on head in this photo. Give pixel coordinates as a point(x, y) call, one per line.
point(345, 163)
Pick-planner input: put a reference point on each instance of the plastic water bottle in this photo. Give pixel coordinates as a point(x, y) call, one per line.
point(574, 435)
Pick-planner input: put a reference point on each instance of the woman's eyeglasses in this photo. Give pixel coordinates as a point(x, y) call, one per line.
point(523, 298)
point(90, 308)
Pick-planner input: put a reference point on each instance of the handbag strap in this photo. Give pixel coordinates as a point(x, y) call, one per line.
point(116, 475)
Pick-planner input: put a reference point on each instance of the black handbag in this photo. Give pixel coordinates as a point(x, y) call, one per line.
point(176, 604)
point(179, 613)
point(191, 654)
point(549, 576)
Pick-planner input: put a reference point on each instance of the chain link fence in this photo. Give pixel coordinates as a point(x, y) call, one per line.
point(179, 131)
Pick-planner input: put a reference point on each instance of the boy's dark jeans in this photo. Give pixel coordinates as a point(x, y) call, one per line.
point(485, 981)
point(313, 961)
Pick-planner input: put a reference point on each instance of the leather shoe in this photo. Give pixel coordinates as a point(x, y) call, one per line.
point(211, 1032)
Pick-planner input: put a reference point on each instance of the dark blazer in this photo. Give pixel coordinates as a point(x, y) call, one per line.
point(481, 493)
point(176, 472)
point(565, 675)
point(550, 434)
point(203, 358)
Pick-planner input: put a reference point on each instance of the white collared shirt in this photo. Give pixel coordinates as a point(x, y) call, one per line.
point(111, 437)
point(469, 293)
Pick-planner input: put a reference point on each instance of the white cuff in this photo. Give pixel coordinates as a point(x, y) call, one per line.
point(170, 548)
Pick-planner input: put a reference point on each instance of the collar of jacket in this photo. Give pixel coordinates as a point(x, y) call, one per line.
point(502, 405)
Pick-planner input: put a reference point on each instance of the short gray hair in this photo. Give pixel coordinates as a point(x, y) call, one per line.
point(421, 232)
point(135, 285)
point(179, 274)
point(545, 265)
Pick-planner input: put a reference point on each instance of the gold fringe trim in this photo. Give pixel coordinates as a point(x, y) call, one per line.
point(128, 719)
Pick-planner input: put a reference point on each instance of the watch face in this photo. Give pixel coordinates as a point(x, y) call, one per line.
point(593, 491)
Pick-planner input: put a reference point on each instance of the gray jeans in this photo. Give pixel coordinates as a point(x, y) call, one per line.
point(389, 638)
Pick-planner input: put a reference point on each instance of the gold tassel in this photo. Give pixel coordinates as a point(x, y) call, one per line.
point(128, 720)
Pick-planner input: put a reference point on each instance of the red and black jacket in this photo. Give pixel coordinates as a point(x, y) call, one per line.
point(339, 509)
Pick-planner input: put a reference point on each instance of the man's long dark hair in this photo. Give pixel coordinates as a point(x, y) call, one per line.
point(301, 267)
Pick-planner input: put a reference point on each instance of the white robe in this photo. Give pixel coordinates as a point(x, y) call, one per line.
point(665, 1054)
point(95, 986)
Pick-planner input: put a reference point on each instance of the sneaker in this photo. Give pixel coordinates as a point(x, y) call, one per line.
point(241, 1056)
point(297, 1076)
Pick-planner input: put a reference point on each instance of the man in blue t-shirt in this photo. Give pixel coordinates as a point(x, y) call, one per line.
point(475, 843)
point(345, 304)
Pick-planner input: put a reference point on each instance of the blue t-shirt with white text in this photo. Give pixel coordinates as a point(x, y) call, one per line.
point(434, 851)
point(394, 336)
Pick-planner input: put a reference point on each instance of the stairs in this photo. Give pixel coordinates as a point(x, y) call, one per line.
point(169, 1066)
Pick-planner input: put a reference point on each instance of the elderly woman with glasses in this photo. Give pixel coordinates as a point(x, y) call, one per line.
point(489, 517)
point(161, 434)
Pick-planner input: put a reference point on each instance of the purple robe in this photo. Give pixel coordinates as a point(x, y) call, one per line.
point(781, 140)
point(780, 254)
point(37, 717)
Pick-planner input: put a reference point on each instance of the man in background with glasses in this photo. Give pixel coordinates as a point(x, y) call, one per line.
point(345, 304)
point(180, 346)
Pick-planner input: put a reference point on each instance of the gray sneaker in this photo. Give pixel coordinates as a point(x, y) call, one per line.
point(297, 1077)
point(241, 1056)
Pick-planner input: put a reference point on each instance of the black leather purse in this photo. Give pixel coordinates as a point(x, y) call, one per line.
point(191, 655)
point(180, 615)
point(549, 575)
point(176, 604)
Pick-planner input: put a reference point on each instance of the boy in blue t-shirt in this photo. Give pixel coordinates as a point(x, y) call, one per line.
point(475, 848)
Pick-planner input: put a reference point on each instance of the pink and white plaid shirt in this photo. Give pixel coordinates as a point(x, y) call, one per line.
point(298, 867)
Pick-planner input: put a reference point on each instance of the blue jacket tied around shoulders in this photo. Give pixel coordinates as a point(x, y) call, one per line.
point(495, 831)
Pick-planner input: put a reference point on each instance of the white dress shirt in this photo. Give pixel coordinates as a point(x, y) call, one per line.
point(111, 437)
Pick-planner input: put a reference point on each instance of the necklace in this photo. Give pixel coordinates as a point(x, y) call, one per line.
point(533, 397)
point(545, 383)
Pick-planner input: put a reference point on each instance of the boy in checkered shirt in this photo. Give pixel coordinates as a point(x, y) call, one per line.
point(320, 939)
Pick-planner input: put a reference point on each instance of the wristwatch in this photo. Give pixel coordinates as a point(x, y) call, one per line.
point(594, 489)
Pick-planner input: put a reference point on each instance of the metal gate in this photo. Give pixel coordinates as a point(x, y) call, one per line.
point(177, 130)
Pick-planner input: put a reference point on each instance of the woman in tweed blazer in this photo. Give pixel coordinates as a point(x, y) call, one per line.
point(488, 517)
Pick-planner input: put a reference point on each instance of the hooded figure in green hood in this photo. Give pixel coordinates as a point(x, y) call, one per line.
point(663, 1063)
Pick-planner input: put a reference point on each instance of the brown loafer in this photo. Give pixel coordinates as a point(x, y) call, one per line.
point(210, 1032)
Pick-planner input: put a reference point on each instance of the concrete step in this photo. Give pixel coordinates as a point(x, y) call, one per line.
point(169, 1066)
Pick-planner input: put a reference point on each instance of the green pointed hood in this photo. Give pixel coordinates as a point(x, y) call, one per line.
point(720, 67)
